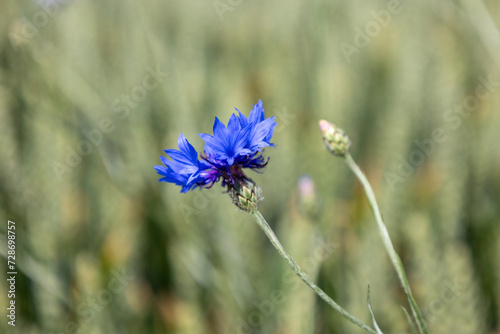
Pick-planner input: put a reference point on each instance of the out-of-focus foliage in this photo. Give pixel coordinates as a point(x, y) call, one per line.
point(102, 247)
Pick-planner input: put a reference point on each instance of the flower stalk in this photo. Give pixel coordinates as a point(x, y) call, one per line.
point(384, 234)
point(338, 143)
point(260, 220)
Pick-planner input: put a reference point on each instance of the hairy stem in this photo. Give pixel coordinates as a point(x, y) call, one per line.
point(276, 243)
point(384, 234)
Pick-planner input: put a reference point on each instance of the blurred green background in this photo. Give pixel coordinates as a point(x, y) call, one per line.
point(102, 247)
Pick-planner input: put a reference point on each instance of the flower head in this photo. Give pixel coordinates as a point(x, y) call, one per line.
point(230, 149)
point(242, 138)
point(309, 202)
point(334, 138)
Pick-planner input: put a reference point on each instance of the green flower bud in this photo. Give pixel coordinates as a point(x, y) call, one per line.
point(309, 202)
point(335, 139)
point(246, 195)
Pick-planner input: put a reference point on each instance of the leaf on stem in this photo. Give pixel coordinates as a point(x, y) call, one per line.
point(410, 321)
point(371, 312)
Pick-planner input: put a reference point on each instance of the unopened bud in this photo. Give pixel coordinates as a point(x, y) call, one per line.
point(335, 139)
point(308, 199)
point(246, 195)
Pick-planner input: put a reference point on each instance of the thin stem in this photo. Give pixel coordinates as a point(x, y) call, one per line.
point(384, 234)
point(274, 240)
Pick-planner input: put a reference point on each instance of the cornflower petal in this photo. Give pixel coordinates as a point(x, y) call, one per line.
point(184, 169)
point(257, 113)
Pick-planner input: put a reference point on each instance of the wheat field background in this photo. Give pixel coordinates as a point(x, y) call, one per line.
point(91, 92)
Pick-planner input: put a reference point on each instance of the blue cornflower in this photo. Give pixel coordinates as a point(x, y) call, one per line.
point(185, 169)
point(230, 149)
point(227, 143)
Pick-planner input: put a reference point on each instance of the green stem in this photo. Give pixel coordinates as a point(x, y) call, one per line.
point(384, 234)
point(276, 243)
